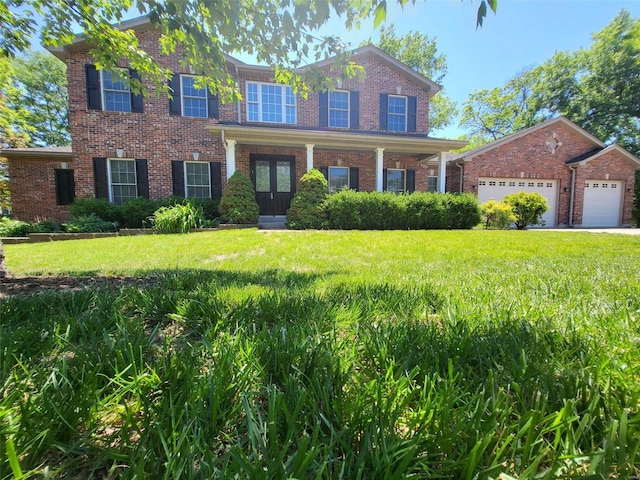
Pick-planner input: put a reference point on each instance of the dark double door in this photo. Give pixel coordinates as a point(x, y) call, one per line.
point(273, 177)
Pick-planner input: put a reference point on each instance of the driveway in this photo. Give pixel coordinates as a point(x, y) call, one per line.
point(621, 231)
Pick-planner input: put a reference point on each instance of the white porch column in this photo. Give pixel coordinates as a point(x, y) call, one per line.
point(230, 147)
point(442, 172)
point(379, 159)
point(309, 156)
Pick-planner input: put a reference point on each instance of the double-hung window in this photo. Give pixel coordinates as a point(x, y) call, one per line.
point(397, 113)
point(197, 180)
point(338, 178)
point(268, 102)
point(122, 180)
point(396, 180)
point(116, 94)
point(432, 184)
point(339, 109)
point(194, 100)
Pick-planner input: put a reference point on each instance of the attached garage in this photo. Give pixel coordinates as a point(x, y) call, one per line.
point(602, 203)
point(498, 188)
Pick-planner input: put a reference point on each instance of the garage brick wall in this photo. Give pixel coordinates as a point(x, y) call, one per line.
point(530, 157)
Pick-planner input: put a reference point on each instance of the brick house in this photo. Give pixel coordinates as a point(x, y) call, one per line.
point(370, 135)
point(586, 183)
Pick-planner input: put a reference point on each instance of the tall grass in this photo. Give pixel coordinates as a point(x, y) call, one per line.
point(520, 366)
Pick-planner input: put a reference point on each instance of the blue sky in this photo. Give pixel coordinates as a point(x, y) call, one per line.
point(523, 33)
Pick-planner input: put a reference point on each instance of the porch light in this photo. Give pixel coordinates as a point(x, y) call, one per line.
point(196, 156)
point(397, 164)
point(606, 176)
point(431, 171)
point(339, 162)
point(119, 152)
point(521, 174)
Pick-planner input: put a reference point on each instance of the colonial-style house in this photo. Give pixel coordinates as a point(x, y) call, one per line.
point(369, 135)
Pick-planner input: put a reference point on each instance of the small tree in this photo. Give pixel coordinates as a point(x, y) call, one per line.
point(497, 214)
point(309, 205)
point(528, 208)
point(238, 203)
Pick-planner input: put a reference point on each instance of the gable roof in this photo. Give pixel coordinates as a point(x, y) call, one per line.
point(561, 120)
point(143, 23)
point(587, 157)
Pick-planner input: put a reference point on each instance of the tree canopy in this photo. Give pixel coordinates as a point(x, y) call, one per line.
point(420, 52)
point(598, 88)
point(282, 35)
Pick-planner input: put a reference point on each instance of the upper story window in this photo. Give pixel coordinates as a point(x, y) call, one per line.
point(339, 109)
point(110, 91)
point(397, 113)
point(116, 93)
point(267, 102)
point(188, 100)
point(194, 100)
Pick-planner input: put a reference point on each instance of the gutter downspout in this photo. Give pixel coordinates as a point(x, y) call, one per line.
point(238, 101)
point(461, 175)
point(572, 194)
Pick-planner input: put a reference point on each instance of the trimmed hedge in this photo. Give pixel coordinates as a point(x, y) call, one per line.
point(309, 205)
point(350, 210)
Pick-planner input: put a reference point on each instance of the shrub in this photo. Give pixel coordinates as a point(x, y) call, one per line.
point(47, 226)
point(238, 203)
point(137, 212)
point(210, 207)
point(178, 218)
point(528, 208)
point(309, 205)
point(385, 210)
point(14, 228)
point(90, 224)
point(100, 207)
point(497, 214)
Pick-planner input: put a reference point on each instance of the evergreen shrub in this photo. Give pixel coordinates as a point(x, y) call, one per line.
point(309, 205)
point(497, 215)
point(90, 224)
point(137, 212)
point(238, 203)
point(100, 207)
point(528, 208)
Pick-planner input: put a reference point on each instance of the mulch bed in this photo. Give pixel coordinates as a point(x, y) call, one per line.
point(11, 286)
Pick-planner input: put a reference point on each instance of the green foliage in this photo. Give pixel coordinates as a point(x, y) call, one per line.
point(210, 207)
point(349, 210)
point(420, 52)
point(137, 212)
point(14, 228)
point(47, 226)
point(90, 224)
point(528, 208)
point(179, 218)
point(238, 203)
point(39, 95)
point(309, 205)
point(497, 214)
point(99, 207)
point(597, 88)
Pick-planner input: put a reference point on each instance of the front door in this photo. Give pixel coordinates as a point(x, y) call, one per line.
point(273, 177)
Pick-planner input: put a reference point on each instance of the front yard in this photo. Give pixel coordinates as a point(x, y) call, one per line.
point(251, 354)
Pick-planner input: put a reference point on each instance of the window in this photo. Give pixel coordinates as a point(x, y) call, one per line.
point(194, 100)
point(339, 109)
point(512, 184)
point(197, 181)
point(116, 95)
point(396, 180)
point(397, 113)
point(122, 180)
point(272, 103)
point(338, 178)
point(432, 184)
point(502, 184)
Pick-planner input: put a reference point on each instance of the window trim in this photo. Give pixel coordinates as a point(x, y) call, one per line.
point(260, 103)
point(110, 180)
point(405, 115)
point(186, 175)
point(404, 179)
point(183, 96)
point(103, 90)
point(348, 110)
point(329, 177)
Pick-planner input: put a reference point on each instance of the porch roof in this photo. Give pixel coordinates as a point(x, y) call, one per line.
point(421, 146)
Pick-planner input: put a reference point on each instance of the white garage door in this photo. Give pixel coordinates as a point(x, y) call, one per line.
point(602, 202)
point(498, 188)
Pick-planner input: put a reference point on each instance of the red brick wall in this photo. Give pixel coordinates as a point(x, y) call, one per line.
point(33, 192)
point(531, 155)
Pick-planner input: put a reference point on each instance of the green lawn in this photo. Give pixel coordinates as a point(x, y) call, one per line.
point(370, 355)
